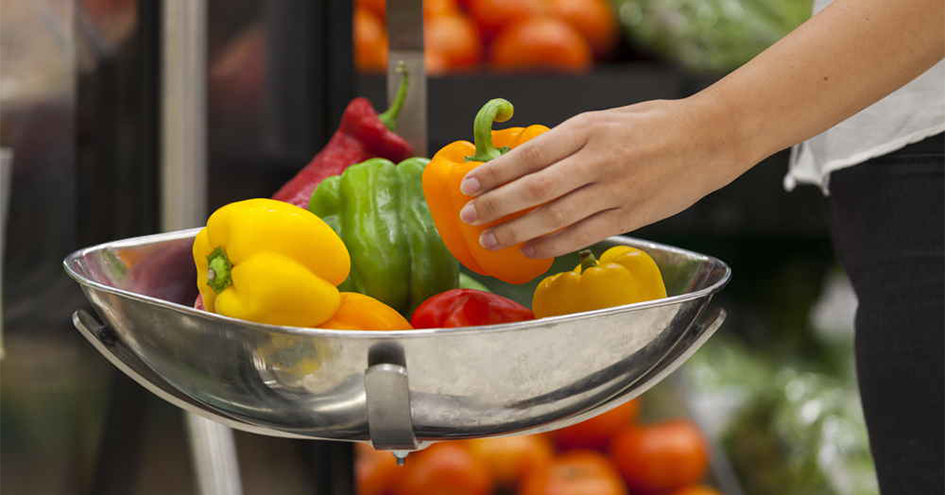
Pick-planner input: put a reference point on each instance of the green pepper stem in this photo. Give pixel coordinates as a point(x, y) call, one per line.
point(219, 273)
point(588, 260)
point(389, 118)
point(495, 110)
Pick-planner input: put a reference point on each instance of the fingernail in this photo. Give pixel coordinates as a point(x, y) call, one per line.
point(487, 240)
point(470, 186)
point(468, 213)
point(528, 251)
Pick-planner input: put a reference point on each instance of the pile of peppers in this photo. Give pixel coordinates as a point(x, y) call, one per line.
point(366, 237)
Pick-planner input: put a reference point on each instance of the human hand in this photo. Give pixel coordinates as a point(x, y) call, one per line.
point(604, 173)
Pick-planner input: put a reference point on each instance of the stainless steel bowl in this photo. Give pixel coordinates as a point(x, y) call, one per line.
point(398, 389)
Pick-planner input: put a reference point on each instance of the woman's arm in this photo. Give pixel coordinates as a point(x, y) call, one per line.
point(613, 171)
point(842, 60)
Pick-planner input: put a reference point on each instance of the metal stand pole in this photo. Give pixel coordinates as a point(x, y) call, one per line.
point(6, 176)
point(184, 195)
point(405, 44)
point(214, 456)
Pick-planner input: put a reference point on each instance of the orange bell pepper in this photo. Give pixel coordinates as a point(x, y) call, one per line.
point(441, 181)
point(360, 312)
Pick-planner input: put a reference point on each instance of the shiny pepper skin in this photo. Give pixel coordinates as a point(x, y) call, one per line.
point(378, 210)
point(468, 308)
point(441, 181)
point(624, 275)
point(270, 262)
point(360, 312)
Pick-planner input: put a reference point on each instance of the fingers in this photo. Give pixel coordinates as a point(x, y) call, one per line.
point(588, 231)
point(556, 215)
point(531, 156)
point(525, 192)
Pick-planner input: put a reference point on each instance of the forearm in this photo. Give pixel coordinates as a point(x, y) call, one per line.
point(842, 60)
point(612, 171)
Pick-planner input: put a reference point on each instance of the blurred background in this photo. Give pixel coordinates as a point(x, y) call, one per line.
point(773, 394)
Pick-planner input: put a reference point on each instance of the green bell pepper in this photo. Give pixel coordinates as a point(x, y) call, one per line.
point(467, 282)
point(378, 210)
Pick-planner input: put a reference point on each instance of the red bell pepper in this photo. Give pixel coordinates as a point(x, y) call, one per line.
point(466, 308)
point(362, 134)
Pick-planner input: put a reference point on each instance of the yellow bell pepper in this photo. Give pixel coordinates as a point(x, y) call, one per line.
point(270, 262)
point(441, 181)
point(361, 312)
point(624, 275)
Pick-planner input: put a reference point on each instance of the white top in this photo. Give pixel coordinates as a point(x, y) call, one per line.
point(908, 115)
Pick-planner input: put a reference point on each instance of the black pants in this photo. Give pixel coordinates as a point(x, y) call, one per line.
point(888, 227)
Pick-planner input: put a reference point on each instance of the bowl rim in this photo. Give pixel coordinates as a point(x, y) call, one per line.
point(71, 261)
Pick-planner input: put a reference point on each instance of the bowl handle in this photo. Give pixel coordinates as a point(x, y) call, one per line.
point(387, 394)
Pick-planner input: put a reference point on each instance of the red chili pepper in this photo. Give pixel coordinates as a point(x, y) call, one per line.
point(468, 307)
point(362, 134)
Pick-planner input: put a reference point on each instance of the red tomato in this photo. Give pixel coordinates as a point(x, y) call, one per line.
point(375, 471)
point(595, 433)
point(511, 459)
point(541, 43)
point(433, 62)
point(435, 8)
point(431, 8)
point(370, 41)
point(696, 490)
point(661, 457)
point(492, 16)
point(444, 469)
point(453, 38)
point(377, 7)
point(594, 19)
point(579, 472)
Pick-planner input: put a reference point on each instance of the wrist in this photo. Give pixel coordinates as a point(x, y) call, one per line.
point(726, 130)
